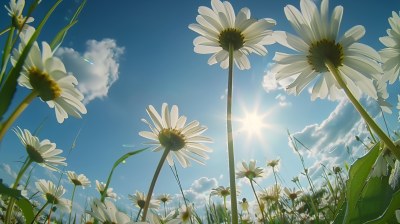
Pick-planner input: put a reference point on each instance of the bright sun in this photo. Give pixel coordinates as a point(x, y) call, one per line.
point(252, 124)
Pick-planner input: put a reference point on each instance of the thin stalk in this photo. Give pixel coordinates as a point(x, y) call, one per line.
point(40, 211)
point(12, 201)
point(364, 114)
point(21, 107)
point(153, 183)
point(258, 201)
point(72, 203)
point(231, 154)
point(175, 173)
point(138, 214)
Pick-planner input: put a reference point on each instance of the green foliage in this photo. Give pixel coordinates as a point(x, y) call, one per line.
point(22, 202)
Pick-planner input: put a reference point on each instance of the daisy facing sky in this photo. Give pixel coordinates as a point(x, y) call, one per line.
point(318, 43)
point(219, 26)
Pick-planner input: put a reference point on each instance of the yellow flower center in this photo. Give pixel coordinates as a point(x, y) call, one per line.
point(292, 196)
point(51, 198)
point(231, 36)
point(225, 193)
point(171, 139)
point(250, 174)
point(141, 203)
point(324, 51)
point(76, 182)
point(18, 21)
point(41, 82)
point(186, 215)
point(34, 155)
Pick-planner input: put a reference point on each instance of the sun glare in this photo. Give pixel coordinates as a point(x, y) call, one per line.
point(252, 124)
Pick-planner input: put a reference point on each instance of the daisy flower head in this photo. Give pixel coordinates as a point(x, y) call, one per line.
point(170, 132)
point(249, 171)
point(391, 54)
point(44, 152)
point(292, 193)
point(139, 200)
point(45, 74)
point(273, 163)
point(107, 213)
point(100, 186)
point(53, 194)
point(185, 215)
point(78, 180)
point(221, 191)
point(15, 12)
point(164, 198)
point(220, 28)
point(319, 50)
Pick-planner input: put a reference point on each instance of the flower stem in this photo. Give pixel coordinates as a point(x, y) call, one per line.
point(12, 201)
point(21, 107)
point(371, 123)
point(231, 154)
point(153, 183)
point(258, 201)
point(72, 202)
point(40, 211)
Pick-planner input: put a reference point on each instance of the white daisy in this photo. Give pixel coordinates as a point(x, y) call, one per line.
point(170, 132)
point(15, 12)
point(107, 213)
point(318, 45)
point(46, 75)
point(292, 193)
point(53, 194)
point(100, 186)
point(391, 54)
point(164, 198)
point(139, 200)
point(78, 180)
point(220, 28)
point(43, 152)
point(185, 215)
point(250, 171)
point(221, 191)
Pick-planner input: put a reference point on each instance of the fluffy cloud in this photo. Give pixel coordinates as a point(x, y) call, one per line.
point(200, 189)
point(333, 140)
point(96, 69)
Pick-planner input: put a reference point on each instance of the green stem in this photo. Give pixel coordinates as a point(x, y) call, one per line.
point(40, 211)
point(371, 123)
point(12, 201)
point(138, 214)
point(72, 203)
point(21, 107)
point(153, 183)
point(258, 201)
point(231, 154)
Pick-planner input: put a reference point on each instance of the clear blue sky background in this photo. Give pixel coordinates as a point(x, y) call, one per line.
point(150, 48)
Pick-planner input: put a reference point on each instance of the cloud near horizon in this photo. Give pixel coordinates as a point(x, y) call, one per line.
point(333, 141)
point(96, 69)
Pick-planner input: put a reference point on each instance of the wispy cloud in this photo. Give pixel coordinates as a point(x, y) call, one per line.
point(96, 69)
point(8, 170)
point(199, 191)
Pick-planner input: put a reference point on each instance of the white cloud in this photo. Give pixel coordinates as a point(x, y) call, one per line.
point(96, 69)
point(328, 141)
point(283, 100)
point(199, 191)
point(269, 82)
point(8, 170)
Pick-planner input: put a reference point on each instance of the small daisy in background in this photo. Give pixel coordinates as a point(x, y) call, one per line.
point(44, 152)
point(100, 186)
point(53, 195)
point(249, 171)
point(15, 12)
point(222, 192)
point(139, 200)
point(76, 180)
point(107, 213)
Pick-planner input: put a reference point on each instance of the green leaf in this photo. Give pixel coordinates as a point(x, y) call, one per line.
point(10, 85)
point(120, 160)
point(22, 202)
point(389, 213)
point(59, 38)
point(26, 208)
point(358, 176)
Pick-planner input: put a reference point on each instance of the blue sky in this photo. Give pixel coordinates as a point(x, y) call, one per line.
point(141, 53)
